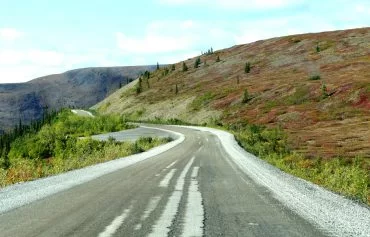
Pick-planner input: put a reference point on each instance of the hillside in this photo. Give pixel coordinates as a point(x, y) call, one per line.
point(80, 88)
point(315, 86)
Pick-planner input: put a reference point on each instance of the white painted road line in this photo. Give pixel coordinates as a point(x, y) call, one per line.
point(172, 164)
point(153, 203)
point(194, 214)
point(181, 181)
point(116, 223)
point(167, 179)
point(195, 171)
point(161, 228)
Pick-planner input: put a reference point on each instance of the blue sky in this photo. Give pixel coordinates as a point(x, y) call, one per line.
point(41, 37)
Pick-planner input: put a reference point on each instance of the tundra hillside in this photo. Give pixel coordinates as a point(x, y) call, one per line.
point(313, 90)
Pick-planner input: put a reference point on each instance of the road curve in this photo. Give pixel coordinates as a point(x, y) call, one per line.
point(82, 113)
point(200, 187)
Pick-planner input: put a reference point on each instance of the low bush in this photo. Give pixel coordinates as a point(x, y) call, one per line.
point(58, 147)
point(315, 77)
point(349, 177)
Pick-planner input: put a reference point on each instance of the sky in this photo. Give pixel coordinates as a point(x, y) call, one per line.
point(42, 37)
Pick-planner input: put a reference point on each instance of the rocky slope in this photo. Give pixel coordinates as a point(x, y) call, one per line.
point(79, 88)
point(315, 86)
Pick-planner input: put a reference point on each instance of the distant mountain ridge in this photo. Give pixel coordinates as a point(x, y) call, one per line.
point(79, 88)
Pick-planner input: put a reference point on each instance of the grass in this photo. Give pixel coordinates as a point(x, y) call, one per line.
point(300, 96)
point(202, 101)
point(349, 177)
point(57, 147)
point(87, 152)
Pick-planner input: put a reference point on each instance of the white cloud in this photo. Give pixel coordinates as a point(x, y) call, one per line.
point(9, 34)
point(47, 58)
point(33, 56)
point(160, 37)
point(362, 9)
point(20, 66)
point(234, 4)
point(152, 43)
point(255, 4)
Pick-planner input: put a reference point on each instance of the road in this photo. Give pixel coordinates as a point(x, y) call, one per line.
point(82, 113)
point(193, 189)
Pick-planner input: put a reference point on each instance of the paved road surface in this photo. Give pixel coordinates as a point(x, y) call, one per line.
point(193, 189)
point(82, 113)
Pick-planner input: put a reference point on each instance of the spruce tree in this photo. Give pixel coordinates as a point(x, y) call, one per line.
point(184, 67)
point(247, 68)
point(197, 62)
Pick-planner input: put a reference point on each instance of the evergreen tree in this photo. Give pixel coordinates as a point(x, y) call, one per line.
point(157, 66)
point(246, 97)
point(247, 68)
point(197, 62)
point(173, 67)
point(324, 91)
point(184, 67)
point(139, 88)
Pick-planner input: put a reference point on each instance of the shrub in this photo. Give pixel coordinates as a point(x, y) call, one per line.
point(184, 67)
point(139, 87)
point(197, 62)
point(246, 97)
point(324, 91)
point(247, 67)
point(315, 77)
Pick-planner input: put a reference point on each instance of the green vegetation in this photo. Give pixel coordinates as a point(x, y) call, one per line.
point(139, 86)
point(218, 59)
point(315, 77)
point(246, 97)
point(346, 176)
point(247, 68)
point(324, 91)
point(173, 67)
point(300, 96)
point(197, 62)
point(165, 72)
point(157, 66)
point(184, 67)
point(7, 139)
point(57, 147)
point(201, 101)
point(208, 52)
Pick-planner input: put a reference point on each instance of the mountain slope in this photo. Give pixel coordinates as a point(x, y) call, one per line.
point(80, 88)
point(315, 86)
